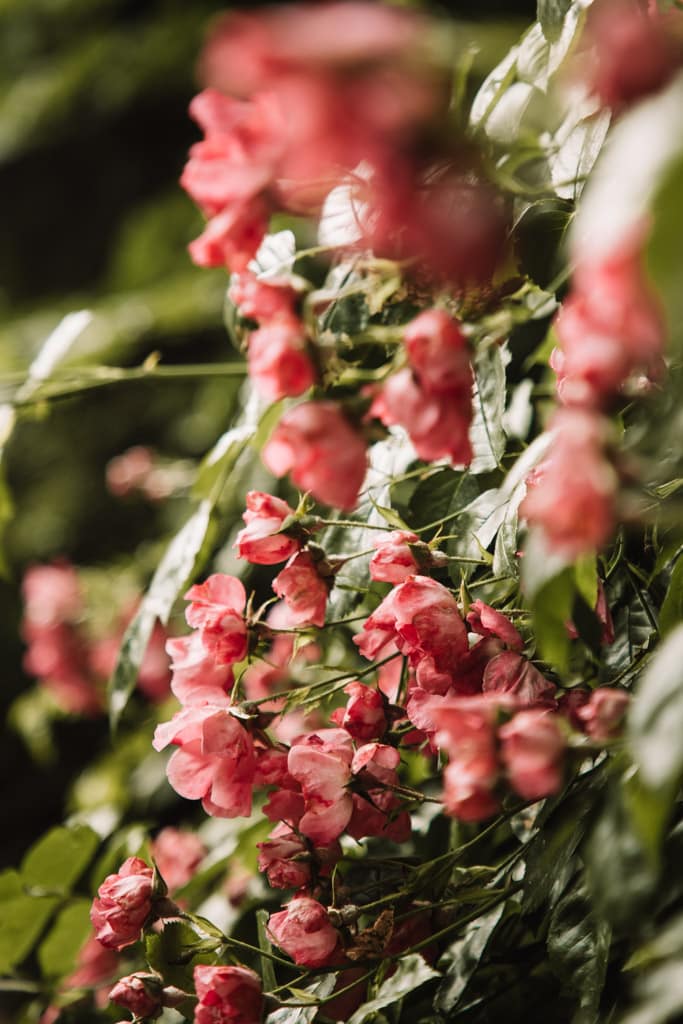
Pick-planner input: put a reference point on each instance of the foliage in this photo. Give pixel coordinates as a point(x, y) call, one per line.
point(551, 887)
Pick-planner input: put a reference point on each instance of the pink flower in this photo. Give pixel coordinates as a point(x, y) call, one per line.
point(438, 353)
point(52, 594)
point(238, 157)
point(123, 904)
point(363, 717)
point(394, 560)
point(324, 454)
point(437, 423)
point(610, 327)
point(467, 732)
point(231, 238)
point(377, 811)
point(285, 859)
point(286, 805)
point(261, 542)
point(303, 590)
point(486, 621)
point(453, 225)
point(303, 930)
point(633, 55)
point(227, 995)
point(139, 993)
point(177, 854)
point(94, 965)
point(572, 493)
point(321, 764)
point(603, 716)
point(512, 674)
point(129, 471)
point(532, 750)
point(58, 657)
point(422, 618)
point(259, 299)
point(197, 677)
point(216, 609)
point(215, 762)
point(279, 364)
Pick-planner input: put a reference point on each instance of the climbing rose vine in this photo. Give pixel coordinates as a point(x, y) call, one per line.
point(423, 715)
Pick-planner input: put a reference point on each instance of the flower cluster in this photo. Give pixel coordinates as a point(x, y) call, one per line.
point(69, 657)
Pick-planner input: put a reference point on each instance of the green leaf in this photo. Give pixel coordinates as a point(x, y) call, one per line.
point(671, 612)
point(461, 959)
point(411, 973)
point(655, 723)
point(664, 256)
point(620, 872)
point(175, 570)
point(551, 14)
point(487, 435)
point(220, 460)
point(175, 951)
point(23, 920)
point(265, 945)
point(58, 952)
point(10, 884)
point(538, 237)
point(578, 948)
point(319, 989)
point(59, 858)
point(667, 943)
point(552, 609)
point(659, 996)
point(550, 860)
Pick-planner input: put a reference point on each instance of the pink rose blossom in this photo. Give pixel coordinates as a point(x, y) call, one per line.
point(467, 732)
point(377, 811)
point(609, 328)
point(437, 424)
point(286, 805)
point(324, 454)
point(422, 618)
point(633, 53)
point(259, 299)
point(285, 859)
point(511, 673)
point(303, 930)
point(278, 361)
point(123, 904)
point(572, 493)
point(177, 854)
point(227, 995)
point(261, 542)
point(215, 762)
point(321, 764)
point(486, 621)
point(303, 590)
point(394, 560)
point(438, 353)
point(232, 238)
point(603, 716)
point(237, 159)
point(363, 717)
point(52, 594)
point(139, 993)
point(217, 611)
point(197, 677)
point(532, 750)
point(95, 964)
